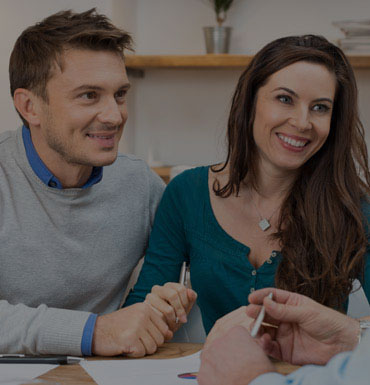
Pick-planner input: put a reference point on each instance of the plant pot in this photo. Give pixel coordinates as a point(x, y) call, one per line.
point(217, 39)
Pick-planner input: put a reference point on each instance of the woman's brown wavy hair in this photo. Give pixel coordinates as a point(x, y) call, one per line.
point(321, 227)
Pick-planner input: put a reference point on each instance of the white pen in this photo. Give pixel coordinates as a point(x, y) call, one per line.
point(259, 320)
point(182, 280)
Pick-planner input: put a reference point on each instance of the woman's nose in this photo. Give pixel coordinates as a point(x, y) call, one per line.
point(300, 119)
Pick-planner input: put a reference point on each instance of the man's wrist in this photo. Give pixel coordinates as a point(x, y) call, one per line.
point(270, 369)
point(364, 324)
point(358, 328)
point(96, 335)
point(269, 378)
point(351, 335)
point(261, 369)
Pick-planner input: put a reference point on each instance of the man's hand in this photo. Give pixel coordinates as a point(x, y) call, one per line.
point(136, 330)
point(227, 322)
point(172, 300)
point(233, 359)
point(307, 332)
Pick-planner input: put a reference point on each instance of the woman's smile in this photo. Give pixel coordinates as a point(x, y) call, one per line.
point(292, 142)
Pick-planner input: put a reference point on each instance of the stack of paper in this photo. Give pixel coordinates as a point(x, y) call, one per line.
point(15, 374)
point(144, 371)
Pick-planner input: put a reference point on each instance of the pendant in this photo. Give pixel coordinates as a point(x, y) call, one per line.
point(264, 224)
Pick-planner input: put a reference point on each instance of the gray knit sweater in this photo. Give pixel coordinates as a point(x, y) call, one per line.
point(65, 253)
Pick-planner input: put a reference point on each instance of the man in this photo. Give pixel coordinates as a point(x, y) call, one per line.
point(304, 332)
point(75, 218)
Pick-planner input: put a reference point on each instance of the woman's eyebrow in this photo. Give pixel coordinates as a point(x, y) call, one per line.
point(323, 100)
point(287, 90)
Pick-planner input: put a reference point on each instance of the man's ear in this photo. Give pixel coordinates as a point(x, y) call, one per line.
point(28, 105)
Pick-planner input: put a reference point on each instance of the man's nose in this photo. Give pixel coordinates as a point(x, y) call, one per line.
point(111, 113)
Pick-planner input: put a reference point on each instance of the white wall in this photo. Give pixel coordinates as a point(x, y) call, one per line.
point(180, 115)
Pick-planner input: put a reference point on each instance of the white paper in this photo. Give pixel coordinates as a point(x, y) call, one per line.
point(143, 371)
point(12, 374)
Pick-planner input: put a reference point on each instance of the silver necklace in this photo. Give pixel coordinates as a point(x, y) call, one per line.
point(264, 223)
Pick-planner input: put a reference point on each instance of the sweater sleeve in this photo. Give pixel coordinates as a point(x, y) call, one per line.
point(345, 368)
point(156, 188)
point(40, 330)
point(167, 246)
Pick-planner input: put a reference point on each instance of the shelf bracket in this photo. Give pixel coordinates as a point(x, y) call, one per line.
point(135, 72)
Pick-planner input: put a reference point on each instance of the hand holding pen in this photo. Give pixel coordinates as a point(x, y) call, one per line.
point(303, 331)
point(173, 300)
point(259, 319)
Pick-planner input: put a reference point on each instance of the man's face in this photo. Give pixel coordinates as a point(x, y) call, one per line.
point(82, 122)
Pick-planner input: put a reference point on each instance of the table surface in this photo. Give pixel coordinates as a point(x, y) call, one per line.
point(76, 375)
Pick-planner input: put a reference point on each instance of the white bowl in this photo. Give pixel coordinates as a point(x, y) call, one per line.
point(354, 27)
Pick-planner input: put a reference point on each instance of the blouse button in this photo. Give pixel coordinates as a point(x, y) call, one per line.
point(254, 272)
point(252, 289)
point(269, 261)
point(273, 254)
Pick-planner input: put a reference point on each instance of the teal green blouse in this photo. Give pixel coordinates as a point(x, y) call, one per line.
point(185, 229)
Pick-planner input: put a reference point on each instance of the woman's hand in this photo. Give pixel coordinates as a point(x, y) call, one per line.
point(174, 301)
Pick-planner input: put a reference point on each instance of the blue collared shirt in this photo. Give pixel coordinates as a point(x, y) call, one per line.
point(44, 174)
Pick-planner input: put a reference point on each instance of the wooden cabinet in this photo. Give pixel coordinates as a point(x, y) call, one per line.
point(163, 172)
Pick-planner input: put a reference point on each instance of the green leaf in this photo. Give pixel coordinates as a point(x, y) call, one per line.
point(222, 5)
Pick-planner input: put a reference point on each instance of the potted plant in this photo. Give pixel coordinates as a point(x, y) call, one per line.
point(218, 38)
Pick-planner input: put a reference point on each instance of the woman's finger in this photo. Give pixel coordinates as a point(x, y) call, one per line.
point(163, 306)
point(171, 296)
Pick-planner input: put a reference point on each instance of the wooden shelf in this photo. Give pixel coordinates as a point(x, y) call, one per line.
point(359, 61)
point(141, 62)
point(187, 61)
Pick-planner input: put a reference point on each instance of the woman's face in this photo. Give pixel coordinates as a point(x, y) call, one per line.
point(293, 113)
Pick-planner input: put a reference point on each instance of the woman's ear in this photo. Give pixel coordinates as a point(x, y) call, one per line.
point(28, 105)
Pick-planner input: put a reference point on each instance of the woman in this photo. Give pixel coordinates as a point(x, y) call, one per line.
point(288, 208)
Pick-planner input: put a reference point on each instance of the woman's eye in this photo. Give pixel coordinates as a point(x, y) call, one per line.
point(320, 108)
point(285, 99)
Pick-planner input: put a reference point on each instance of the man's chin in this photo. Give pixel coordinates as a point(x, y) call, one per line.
point(104, 160)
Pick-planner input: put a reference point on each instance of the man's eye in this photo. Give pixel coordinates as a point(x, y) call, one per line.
point(285, 99)
point(89, 95)
point(320, 108)
point(121, 94)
